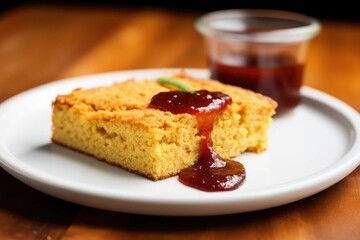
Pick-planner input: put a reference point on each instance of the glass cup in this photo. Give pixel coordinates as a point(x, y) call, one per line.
point(261, 50)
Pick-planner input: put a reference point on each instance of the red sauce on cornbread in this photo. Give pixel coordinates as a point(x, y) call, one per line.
point(211, 172)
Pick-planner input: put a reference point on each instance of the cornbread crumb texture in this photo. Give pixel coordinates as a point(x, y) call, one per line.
point(114, 124)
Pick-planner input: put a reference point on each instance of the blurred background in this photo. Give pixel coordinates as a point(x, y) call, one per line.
point(42, 41)
point(337, 10)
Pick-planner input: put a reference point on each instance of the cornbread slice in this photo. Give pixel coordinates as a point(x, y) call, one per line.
point(114, 124)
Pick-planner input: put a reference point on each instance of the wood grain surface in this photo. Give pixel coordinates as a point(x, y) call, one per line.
point(40, 44)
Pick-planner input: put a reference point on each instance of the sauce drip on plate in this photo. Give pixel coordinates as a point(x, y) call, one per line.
point(211, 172)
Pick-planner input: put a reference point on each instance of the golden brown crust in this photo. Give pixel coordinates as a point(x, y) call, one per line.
point(114, 98)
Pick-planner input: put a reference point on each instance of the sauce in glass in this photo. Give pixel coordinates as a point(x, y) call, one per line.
point(278, 77)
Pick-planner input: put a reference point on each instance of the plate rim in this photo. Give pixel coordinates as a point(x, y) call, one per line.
point(30, 177)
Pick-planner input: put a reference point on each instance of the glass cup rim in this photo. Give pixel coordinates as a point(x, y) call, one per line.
point(307, 29)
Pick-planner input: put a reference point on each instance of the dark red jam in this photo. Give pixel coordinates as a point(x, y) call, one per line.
point(211, 172)
point(278, 77)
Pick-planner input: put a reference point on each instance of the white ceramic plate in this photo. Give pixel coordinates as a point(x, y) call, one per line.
point(310, 149)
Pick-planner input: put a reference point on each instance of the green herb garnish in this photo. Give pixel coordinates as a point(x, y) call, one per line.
point(175, 83)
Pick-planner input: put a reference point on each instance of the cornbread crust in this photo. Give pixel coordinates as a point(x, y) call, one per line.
point(114, 124)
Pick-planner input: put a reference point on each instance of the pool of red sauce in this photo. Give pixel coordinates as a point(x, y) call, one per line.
point(211, 172)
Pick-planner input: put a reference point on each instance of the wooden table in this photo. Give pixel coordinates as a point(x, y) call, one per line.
point(39, 44)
